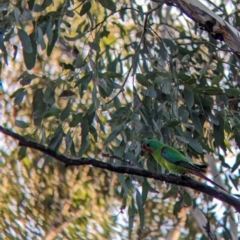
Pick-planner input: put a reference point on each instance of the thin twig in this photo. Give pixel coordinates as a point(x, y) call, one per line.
point(137, 50)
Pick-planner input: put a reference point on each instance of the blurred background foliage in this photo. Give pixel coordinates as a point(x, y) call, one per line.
point(83, 78)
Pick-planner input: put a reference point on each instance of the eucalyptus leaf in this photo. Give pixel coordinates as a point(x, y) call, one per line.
point(76, 120)
point(142, 80)
point(39, 106)
point(189, 98)
point(25, 40)
point(21, 124)
point(197, 123)
point(140, 208)
point(187, 199)
point(108, 4)
point(85, 8)
point(56, 140)
point(171, 193)
point(237, 163)
point(113, 134)
point(30, 55)
point(66, 112)
point(232, 92)
point(51, 44)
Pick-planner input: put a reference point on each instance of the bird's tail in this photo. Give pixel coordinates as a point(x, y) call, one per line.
point(201, 167)
point(201, 175)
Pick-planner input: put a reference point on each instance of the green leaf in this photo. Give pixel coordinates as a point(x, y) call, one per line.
point(189, 98)
point(79, 62)
point(52, 112)
point(84, 147)
point(151, 92)
point(222, 159)
point(145, 190)
point(94, 133)
point(56, 140)
point(113, 134)
point(95, 98)
point(218, 133)
point(72, 149)
point(185, 58)
point(14, 94)
point(108, 4)
point(187, 199)
point(141, 79)
point(122, 181)
point(76, 120)
point(85, 8)
point(131, 214)
point(233, 92)
point(172, 123)
point(191, 88)
point(52, 43)
point(66, 112)
point(25, 41)
point(166, 87)
point(210, 90)
point(94, 46)
point(39, 107)
point(30, 57)
point(140, 208)
point(68, 141)
point(78, 36)
point(22, 152)
point(4, 50)
point(177, 208)
point(203, 70)
point(25, 78)
point(49, 32)
point(110, 74)
point(217, 79)
point(67, 93)
point(186, 79)
point(173, 192)
point(19, 97)
point(237, 163)
point(197, 123)
point(85, 129)
point(49, 96)
point(21, 124)
point(237, 138)
point(83, 82)
point(183, 114)
point(122, 112)
point(193, 143)
point(235, 181)
point(212, 118)
point(40, 38)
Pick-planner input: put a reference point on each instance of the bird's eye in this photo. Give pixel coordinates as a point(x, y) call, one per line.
point(148, 145)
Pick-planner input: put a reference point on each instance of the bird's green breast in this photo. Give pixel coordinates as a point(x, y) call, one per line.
point(158, 157)
point(174, 168)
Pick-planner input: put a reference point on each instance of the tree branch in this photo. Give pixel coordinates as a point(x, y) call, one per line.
point(209, 21)
point(183, 180)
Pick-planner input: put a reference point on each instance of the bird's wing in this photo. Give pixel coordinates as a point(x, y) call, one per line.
point(175, 157)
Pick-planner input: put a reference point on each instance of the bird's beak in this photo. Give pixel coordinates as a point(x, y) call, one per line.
point(146, 149)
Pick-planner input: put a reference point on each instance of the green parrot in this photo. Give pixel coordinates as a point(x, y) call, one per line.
point(172, 160)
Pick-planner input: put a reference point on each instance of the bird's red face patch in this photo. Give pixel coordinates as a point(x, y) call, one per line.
point(146, 148)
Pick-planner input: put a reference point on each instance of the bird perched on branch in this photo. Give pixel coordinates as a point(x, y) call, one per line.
point(172, 160)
